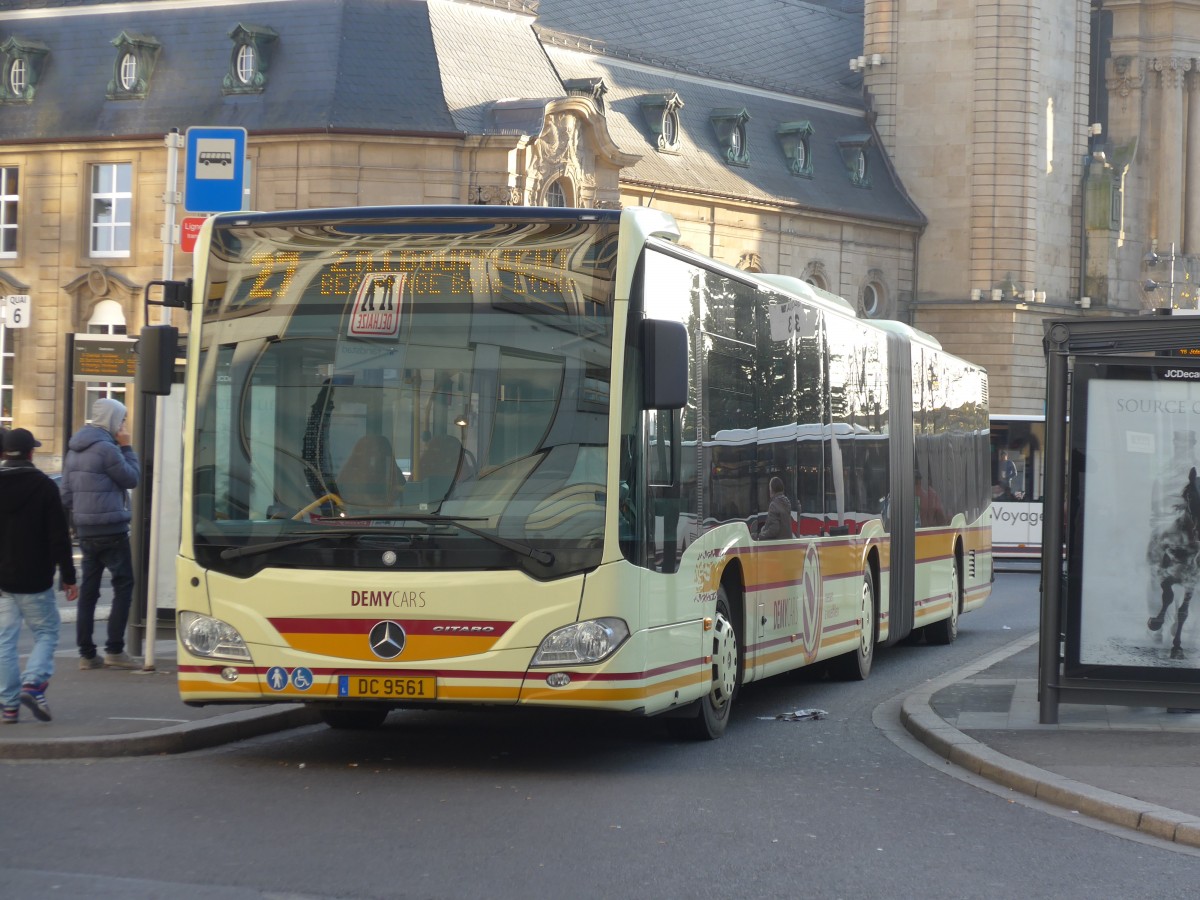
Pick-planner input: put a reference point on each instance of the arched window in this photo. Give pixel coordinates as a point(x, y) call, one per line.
point(129, 72)
point(246, 63)
point(18, 77)
point(556, 195)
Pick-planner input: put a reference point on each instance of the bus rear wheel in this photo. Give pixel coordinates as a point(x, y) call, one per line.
point(354, 719)
point(945, 631)
point(708, 717)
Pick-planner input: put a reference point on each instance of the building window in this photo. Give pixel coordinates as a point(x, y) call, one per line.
point(670, 128)
point(136, 58)
point(244, 65)
point(18, 77)
point(21, 62)
point(129, 72)
point(251, 57)
point(661, 115)
point(870, 301)
point(873, 298)
point(854, 149)
point(730, 126)
point(555, 195)
point(9, 203)
point(107, 318)
point(111, 209)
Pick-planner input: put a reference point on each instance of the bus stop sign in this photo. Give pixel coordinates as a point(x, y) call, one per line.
point(215, 170)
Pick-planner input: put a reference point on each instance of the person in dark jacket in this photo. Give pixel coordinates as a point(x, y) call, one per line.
point(779, 514)
point(100, 469)
point(34, 541)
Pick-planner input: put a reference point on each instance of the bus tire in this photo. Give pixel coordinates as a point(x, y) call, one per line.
point(354, 719)
point(945, 631)
point(711, 715)
point(856, 665)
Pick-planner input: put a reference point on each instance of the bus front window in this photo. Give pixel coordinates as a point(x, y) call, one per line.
point(411, 385)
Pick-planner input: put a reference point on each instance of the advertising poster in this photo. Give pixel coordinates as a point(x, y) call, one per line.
point(1134, 521)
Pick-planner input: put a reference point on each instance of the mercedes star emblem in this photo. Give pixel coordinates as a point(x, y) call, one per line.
point(387, 639)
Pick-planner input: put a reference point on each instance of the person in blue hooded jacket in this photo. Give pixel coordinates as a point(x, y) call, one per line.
point(100, 469)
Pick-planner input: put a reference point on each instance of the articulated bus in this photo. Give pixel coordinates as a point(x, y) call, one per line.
point(441, 456)
point(1017, 463)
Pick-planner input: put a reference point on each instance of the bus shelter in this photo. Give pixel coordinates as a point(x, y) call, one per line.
point(1122, 493)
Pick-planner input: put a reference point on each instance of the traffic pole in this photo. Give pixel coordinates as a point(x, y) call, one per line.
point(171, 200)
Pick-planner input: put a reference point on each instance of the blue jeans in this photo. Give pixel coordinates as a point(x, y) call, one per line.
point(99, 553)
point(40, 613)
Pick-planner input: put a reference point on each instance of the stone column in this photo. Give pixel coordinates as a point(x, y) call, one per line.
point(1191, 230)
point(1170, 140)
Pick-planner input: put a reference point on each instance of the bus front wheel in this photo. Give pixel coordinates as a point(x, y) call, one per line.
point(711, 712)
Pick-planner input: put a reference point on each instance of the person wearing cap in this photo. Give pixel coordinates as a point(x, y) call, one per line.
point(100, 469)
point(34, 541)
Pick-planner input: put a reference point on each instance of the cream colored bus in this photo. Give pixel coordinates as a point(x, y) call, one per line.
point(472, 455)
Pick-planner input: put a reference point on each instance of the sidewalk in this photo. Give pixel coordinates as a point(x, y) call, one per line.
point(1132, 766)
point(116, 712)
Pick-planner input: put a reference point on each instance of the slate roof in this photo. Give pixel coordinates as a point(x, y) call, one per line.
point(801, 47)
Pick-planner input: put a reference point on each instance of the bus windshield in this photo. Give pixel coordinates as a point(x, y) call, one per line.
point(404, 392)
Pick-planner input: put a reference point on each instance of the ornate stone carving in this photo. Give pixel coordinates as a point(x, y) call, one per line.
point(1171, 71)
point(1125, 74)
point(559, 152)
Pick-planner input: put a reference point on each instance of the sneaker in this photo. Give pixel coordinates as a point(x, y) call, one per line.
point(10, 715)
point(34, 696)
point(121, 660)
point(90, 662)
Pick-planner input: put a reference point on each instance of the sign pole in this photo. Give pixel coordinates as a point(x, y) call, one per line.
point(171, 199)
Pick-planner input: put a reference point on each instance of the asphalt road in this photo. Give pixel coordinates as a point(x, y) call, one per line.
point(504, 805)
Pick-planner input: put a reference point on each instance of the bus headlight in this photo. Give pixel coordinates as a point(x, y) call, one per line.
point(582, 642)
point(206, 636)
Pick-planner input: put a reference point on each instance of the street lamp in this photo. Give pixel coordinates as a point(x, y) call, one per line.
point(1152, 259)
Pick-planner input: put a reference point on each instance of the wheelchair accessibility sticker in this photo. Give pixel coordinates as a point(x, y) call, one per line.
point(302, 678)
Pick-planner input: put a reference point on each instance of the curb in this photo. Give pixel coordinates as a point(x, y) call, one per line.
point(919, 719)
point(224, 729)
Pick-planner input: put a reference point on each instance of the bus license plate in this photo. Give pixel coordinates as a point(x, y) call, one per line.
point(379, 687)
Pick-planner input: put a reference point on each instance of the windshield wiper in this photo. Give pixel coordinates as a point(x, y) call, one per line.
point(545, 557)
point(255, 549)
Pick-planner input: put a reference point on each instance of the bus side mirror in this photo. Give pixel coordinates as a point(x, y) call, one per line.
point(664, 364)
point(157, 348)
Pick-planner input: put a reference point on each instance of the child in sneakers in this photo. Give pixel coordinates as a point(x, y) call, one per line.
point(34, 541)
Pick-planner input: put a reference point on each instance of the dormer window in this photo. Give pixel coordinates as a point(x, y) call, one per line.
point(22, 62)
point(730, 126)
point(794, 141)
point(136, 56)
point(854, 149)
point(248, 64)
point(661, 115)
